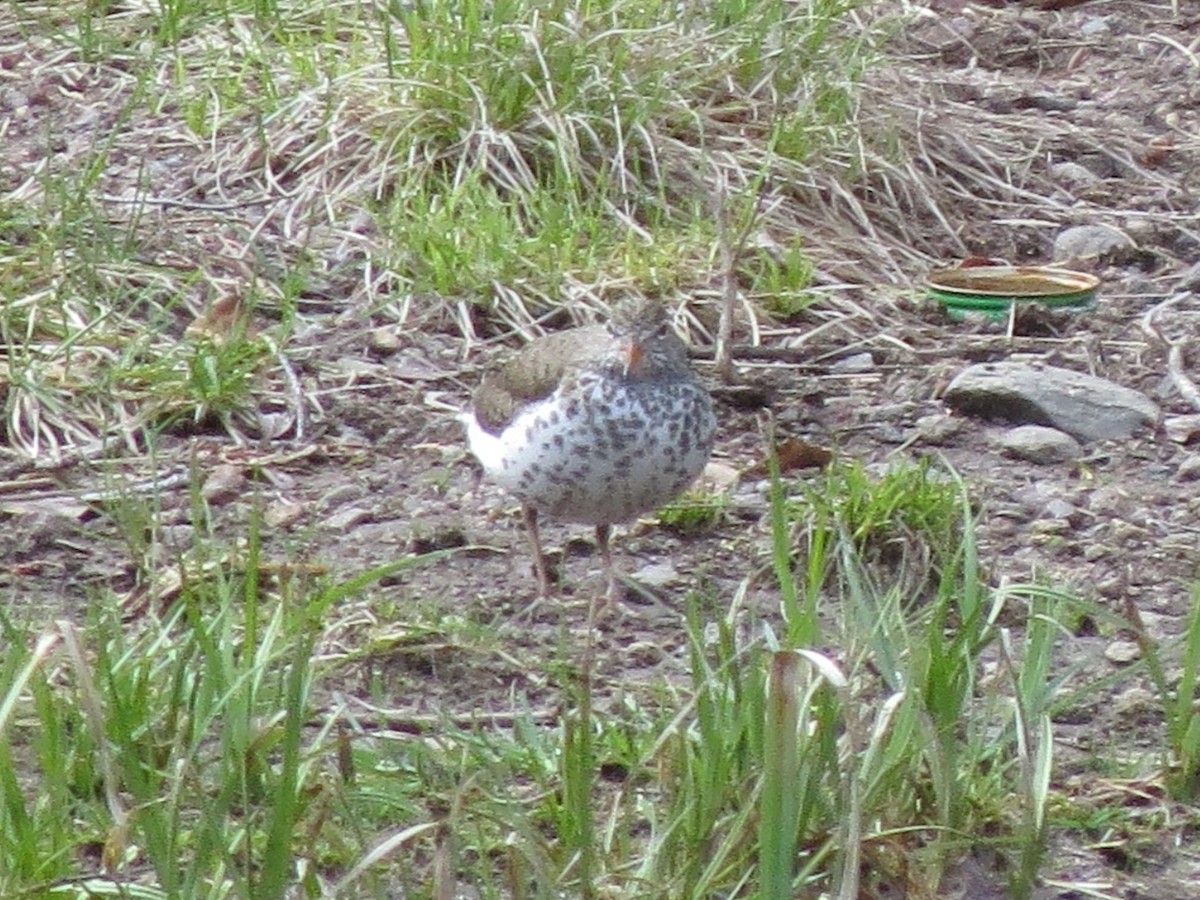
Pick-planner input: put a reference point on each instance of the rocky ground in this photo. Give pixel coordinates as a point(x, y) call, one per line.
point(1085, 115)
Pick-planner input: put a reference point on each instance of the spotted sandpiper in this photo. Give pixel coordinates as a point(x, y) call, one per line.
point(594, 425)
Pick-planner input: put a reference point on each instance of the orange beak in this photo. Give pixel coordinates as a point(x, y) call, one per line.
point(633, 358)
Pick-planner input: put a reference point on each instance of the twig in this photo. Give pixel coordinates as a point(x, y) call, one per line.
point(1175, 364)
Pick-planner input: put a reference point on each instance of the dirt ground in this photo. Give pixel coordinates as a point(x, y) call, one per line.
point(1109, 85)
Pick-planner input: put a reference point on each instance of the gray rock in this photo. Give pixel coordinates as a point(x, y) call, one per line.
point(1190, 280)
point(938, 428)
point(1085, 407)
point(223, 484)
point(1040, 444)
point(1084, 241)
point(1189, 469)
point(346, 519)
point(1095, 27)
point(1183, 429)
point(1059, 508)
point(1122, 652)
point(857, 362)
point(1073, 173)
point(1050, 102)
point(657, 574)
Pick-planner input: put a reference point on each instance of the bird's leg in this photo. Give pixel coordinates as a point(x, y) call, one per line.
point(540, 566)
point(613, 596)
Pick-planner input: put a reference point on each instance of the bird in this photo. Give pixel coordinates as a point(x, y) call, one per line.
point(594, 425)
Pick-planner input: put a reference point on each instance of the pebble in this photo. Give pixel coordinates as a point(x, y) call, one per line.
point(345, 519)
point(1182, 429)
point(1190, 280)
point(342, 493)
point(1189, 469)
point(1122, 652)
point(1049, 527)
point(1039, 444)
point(657, 574)
point(225, 482)
point(938, 428)
point(283, 514)
point(1073, 173)
point(857, 362)
point(178, 537)
point(383, 341)
point(1086, 241)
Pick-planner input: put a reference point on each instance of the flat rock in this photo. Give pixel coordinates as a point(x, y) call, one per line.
point(1039, 444)
point(1084, 406)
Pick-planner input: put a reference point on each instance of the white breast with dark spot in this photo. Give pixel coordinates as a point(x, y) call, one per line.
point(607, 454)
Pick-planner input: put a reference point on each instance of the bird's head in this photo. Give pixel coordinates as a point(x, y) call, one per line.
point(647, 345)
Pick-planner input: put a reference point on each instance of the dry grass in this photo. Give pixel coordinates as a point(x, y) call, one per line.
point(329, 171)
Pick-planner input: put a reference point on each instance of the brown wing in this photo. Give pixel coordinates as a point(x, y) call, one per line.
point(534, 373)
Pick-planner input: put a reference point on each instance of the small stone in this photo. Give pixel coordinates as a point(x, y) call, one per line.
point(283, 514)
point(1190, 280)
point(1122, 652)
point(1189, 469)
point(1049, 102)
point(384, 341)
point(858, 362)
point(1073, 174)
point(718, 478)
point(1039, 444)
point(657, 574)
point(224, 483)
point(346, 519)
point(1183, 429)
point(644, 653)
point(272, 426)
point(1094, 552)
point(1058, 508)
point(1136, 701)
point(939, 427)
point(1095, 27)
point(178, 537)
point(342, 493)
point(1049, 528)
point(1087, 241)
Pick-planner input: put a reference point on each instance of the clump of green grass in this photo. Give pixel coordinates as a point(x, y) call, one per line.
point(1181, 715)
point(905, 526)
point(694, 512)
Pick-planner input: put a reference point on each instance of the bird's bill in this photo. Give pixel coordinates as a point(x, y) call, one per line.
point(633, 357)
